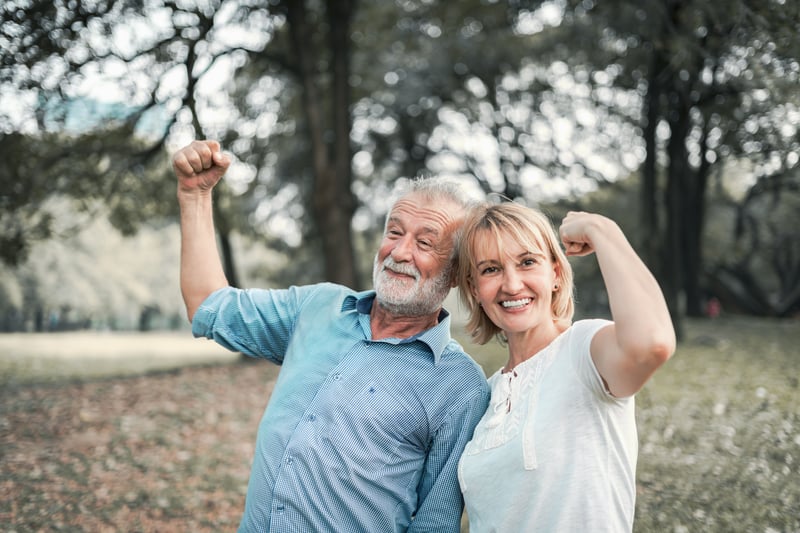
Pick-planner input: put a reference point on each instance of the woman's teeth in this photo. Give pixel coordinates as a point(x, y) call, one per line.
point(516, 303)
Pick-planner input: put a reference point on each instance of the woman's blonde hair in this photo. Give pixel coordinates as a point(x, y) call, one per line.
point(532, 230)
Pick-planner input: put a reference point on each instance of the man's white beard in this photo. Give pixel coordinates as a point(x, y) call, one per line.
point(404, 297)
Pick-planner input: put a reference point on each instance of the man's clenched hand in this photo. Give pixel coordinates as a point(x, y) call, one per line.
point(199, 166)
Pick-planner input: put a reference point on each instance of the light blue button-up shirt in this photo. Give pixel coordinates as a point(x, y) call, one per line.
point(359, 435)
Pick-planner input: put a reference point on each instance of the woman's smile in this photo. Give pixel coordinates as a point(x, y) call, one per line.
point(516, 304)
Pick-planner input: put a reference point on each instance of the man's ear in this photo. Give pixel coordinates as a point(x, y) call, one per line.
point(473, 289)
point(453, 280)
point(453, 275)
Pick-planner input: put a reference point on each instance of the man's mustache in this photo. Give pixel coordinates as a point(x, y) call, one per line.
point(400, 268)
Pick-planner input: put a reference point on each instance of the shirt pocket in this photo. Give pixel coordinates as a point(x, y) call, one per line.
point(372, 425)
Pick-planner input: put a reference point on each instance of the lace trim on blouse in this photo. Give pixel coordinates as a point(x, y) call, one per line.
point(512, 406)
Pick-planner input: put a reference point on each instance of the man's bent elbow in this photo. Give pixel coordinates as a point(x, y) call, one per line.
point(193, 302)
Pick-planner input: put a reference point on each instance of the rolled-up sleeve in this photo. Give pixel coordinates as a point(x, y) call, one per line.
point(255, 322)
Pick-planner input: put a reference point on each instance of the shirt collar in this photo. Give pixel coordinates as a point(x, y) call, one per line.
point(435, 338)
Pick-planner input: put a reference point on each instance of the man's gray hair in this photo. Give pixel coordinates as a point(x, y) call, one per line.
point(437, 188)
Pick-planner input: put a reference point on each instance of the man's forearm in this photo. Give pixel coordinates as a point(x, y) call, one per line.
point(201, 269)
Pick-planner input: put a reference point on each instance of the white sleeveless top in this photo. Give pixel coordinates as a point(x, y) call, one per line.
point(554, 452)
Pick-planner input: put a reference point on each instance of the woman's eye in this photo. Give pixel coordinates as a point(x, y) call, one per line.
point(530, 261)
point(488, 270)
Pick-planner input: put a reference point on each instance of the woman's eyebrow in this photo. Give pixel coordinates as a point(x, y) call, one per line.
point(523, 255)
point(485, 261)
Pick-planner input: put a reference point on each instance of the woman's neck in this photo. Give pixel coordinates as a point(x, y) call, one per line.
point(524, 345)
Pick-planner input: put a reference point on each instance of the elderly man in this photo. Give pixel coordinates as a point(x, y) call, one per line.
point(374, 402)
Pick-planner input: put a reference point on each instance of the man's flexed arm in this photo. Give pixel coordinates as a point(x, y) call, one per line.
point(198, 167)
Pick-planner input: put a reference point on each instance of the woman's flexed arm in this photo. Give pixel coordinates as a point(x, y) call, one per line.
point(642, 337)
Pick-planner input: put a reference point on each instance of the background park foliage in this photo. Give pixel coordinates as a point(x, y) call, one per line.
point(688, 105)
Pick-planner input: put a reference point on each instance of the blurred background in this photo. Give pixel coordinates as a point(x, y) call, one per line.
point(677, 118)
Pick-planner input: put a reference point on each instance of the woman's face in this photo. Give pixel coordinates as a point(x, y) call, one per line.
point(515, 287)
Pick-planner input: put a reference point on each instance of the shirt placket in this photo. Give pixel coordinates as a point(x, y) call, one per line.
point(288, 482)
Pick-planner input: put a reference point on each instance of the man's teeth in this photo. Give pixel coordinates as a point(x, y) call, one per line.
point(516, 303)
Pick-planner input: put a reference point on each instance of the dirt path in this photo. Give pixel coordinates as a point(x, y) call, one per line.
point(48, 357)
point(164, 452)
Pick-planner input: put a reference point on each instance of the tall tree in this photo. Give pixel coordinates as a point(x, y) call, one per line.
point(707, 75)
point(324, 79)
point(325, 103)
point(196, 39)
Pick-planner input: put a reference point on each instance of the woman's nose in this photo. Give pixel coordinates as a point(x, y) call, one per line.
point(512, 282)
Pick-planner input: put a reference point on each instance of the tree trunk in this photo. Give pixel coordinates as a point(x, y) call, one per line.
point(675, 246)
point(332, 202)
point(336, 203)
point(693, 224)
point(221, 224)
point(228, 263)
point(649, 239)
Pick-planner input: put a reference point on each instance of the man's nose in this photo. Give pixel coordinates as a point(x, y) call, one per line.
point(403, 249)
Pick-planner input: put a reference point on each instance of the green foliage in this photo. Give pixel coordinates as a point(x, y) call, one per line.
point(106, 165)
point(23, 190)
point(534, 100)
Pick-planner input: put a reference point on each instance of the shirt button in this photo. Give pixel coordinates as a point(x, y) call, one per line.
point(289, 460)
point(337, 377)
point(280, 508)
point(311, 418)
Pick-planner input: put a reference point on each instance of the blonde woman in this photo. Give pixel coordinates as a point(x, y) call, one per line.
point(556, 449)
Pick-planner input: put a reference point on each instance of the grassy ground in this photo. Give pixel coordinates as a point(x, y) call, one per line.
point(719, 429)
point(720, 432)
point(165, 452)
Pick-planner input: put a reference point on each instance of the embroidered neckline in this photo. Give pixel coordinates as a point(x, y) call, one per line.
point(512, 375)
point(510, 391)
